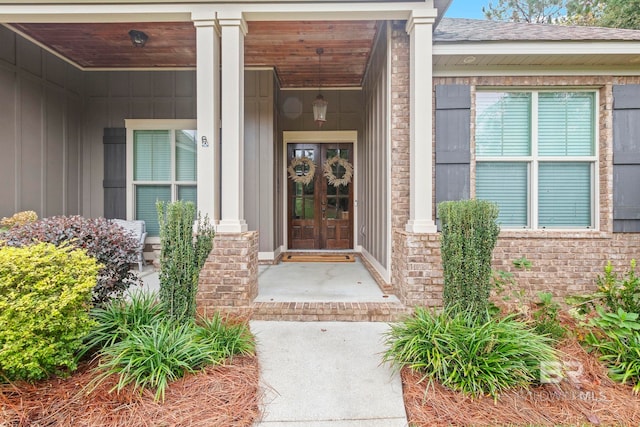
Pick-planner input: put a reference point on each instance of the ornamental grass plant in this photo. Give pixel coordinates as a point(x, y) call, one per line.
point(474, 355)
point(152, 356)
point(148, 350)
point(225, 337)
point(116, 319)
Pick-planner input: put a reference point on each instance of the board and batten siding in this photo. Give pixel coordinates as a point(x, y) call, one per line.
point(112, 97)
point(41, 117)
point(374, 154)
point(260, 160)
point(626, 158)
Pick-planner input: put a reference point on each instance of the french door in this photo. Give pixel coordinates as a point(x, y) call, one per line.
point(320, 214)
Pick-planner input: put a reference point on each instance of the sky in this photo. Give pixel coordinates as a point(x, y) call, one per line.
point(467, 9)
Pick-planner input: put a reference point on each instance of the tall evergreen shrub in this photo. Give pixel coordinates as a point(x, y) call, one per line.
point(469, 234)
point(182, 256)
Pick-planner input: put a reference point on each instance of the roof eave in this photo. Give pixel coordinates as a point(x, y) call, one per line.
point(577, 47)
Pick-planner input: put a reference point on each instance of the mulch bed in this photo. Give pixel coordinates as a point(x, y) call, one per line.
point(591, 400)
point(219, 396)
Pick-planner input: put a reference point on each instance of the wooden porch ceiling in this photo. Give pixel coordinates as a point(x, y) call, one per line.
point(289, 47)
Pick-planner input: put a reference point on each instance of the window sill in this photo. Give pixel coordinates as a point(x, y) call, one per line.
point(554, 234)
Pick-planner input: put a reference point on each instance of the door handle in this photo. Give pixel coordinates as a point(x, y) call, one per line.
point(323, 213)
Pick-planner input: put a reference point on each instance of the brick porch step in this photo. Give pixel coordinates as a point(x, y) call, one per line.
point(330, 311)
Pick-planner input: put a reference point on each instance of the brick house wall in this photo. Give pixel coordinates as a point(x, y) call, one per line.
point(229, 279)
point(564, 263)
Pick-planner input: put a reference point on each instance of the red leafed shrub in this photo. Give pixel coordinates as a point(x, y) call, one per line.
point(114, 249)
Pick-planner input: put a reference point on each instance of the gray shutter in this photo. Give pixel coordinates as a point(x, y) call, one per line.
point(115, 172)
point(452, 141)
point(626, 158)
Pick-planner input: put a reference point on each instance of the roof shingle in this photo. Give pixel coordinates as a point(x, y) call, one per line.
point(475, 30)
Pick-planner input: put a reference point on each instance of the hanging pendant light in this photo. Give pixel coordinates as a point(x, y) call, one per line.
point(320, 104)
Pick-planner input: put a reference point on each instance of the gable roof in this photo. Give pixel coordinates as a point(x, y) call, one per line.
point(458, 30)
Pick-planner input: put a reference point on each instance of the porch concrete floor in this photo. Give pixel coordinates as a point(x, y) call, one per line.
point(319, 282)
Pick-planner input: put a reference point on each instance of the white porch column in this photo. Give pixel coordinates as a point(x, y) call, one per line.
point(208, 114)
point(419, 28)
point(233, 29)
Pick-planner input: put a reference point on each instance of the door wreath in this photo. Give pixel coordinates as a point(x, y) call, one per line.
point(307, 164)
point(328, 171)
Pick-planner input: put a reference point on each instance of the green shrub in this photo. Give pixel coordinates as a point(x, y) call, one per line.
point(616, 336)
point(116, 319)
point(506, 287)
point(114, 248)
point(613, 292)
point(619, 293)
point(45, 295)
point(545, 317)
point(152, 356)
point(182, 257)
point(465, 353)
point(469, 234)
point(144, 348)
point(225, 338)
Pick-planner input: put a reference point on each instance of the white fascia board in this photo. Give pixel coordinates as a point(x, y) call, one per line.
point(58, 2)
point(176, 11)
point(527, 70)
point(538, 48)
point(331, 11)
point(89, 13)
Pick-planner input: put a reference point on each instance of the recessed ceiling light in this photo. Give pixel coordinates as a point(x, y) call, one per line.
point(469, 60)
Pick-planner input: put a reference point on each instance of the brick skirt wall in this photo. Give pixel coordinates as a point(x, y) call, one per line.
point(229, 279)
point(417, 269)
point(564, 265)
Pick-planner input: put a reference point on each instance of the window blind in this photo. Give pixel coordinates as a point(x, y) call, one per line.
point(506, 184)
point(188, 193)
point(503, 124)
point(185, 155)
point(564, 194)
point(152, 155)
point(146, 198)
point(565, 124)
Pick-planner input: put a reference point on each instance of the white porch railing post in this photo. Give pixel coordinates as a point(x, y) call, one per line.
point(233, 29)
point(208, 113)
point(419, 28)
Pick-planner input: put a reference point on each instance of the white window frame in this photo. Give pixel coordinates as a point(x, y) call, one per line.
point(133, 125)
point(533, 161)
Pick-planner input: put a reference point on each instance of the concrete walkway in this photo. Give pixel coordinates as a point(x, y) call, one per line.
point(321, 374)
point(326, 374)
point(319, 282)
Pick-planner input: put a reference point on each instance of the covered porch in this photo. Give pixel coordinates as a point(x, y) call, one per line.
point(243, 78)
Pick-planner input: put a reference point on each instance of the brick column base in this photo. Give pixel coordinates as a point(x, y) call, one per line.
point(229, 279)
point(417, 269)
